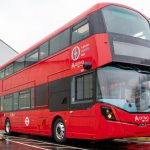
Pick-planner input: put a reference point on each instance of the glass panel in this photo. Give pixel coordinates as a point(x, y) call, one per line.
point(24, 99)
point(125, 87)
point(88, 86)
point(79, 88)
point(60, 42)
point(133, 50)
point(80, 33)
point(84, 87)
point(19, 64)
point(2, 74)
point(9, 70)
point(124, 21)
point(32, 97)
point(2, 104)
point(8, 102)
point(32, 57)
point(44, 50)
point(41, 95)
point(15, 103)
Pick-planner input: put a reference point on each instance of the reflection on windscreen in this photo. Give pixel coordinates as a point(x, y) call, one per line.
point(125, 21)
point(126, 89)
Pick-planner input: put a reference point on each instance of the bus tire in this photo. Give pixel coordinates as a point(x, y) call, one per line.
point(7, 127)
point(59, 131)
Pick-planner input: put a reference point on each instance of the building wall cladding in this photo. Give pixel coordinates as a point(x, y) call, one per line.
point(6, 52)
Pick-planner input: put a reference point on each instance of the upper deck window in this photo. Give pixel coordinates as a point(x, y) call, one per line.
point(44, 50)
point(32, 57)
point(9, 70)
point(60, 41)
point(2, 74)
point(125, 21)
point(19, 64)
point(80, 31)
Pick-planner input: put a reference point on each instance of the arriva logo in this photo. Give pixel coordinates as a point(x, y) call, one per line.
point(75, 53)
point(141, 119)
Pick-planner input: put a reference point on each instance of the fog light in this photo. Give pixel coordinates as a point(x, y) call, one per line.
point(108, 113)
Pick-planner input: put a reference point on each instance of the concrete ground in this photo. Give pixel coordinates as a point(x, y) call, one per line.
point(30, 142)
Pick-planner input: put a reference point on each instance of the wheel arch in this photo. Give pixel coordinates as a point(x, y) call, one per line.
point(53, 122)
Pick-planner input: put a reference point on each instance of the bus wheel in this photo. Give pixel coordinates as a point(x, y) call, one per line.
point(59, 131)
point(7, 127)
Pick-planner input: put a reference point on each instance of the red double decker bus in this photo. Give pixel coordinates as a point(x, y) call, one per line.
point(89, 79)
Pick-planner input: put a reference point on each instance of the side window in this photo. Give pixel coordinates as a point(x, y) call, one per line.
point(8, 102)
point(19, 64)
point(41, 95)
point(44, 50)
point(32, 58)
point(32, 97)
point(15, 102)
point(2, 74)
point(9, 70)
point(84, 87)
point(2, 104)
point(25, 99)
point(60, 42)
point(80, 31)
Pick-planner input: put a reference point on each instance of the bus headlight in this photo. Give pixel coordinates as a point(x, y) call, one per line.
point(107, 113)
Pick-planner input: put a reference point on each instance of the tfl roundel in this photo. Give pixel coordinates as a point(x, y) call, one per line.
point(75, 53)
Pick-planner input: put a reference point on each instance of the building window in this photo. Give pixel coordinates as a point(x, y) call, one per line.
point(25, 99)
point(19, 64)
point(2, 74)
point(9, 70)
point(44, 50)
point(60, 41)
point(84, 87)
point(80, 31)
point(32, 57)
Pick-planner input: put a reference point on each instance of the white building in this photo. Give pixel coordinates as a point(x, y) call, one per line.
point(6, 52)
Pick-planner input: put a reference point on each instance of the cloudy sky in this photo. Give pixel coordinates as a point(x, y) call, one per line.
point(25, 22)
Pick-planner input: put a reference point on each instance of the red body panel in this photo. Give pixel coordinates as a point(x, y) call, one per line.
point(85, 124)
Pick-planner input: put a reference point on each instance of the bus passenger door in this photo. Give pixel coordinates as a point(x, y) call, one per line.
point(82, 114)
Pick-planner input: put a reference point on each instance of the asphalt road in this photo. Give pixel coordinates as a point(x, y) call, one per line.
point(29, 142)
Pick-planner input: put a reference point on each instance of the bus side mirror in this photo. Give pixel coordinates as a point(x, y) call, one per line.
point(87, 65)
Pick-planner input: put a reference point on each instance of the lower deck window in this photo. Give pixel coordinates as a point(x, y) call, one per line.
point(84, 87)
point(24, 99)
